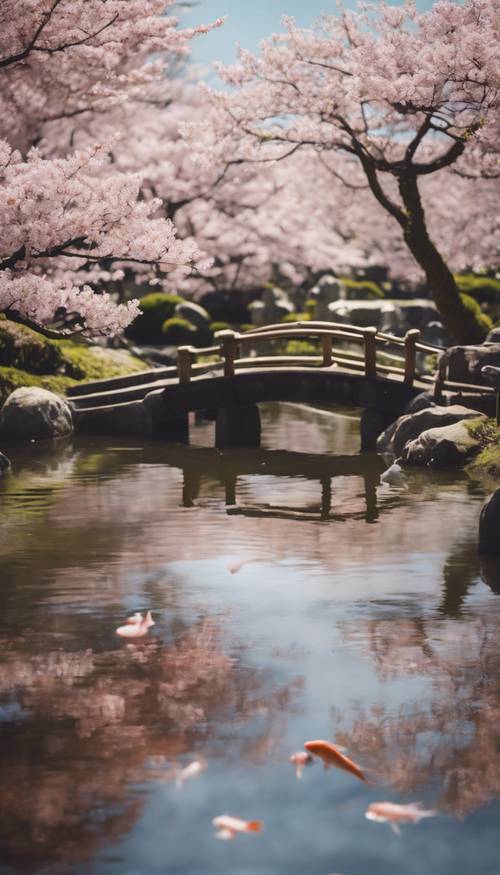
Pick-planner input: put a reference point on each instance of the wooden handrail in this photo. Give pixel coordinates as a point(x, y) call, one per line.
point(231, 343)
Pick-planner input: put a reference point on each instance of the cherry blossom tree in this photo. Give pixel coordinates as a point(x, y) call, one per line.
point(405, 96)
point(68, 217)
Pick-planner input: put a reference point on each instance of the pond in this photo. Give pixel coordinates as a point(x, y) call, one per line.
point(295, 598)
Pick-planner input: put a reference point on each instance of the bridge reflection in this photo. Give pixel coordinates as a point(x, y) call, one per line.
point(230, 467)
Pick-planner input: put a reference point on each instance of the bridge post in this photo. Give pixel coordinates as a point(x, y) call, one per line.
point(184, 359)
point(326, 343)
point(229, 343)
point(238, 426)
point(411, 338)
point(369, 335)
point(372, 423)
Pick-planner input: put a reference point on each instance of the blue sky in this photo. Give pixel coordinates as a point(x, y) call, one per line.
point(249, 21)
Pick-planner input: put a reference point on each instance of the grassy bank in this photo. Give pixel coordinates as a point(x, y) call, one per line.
point(29, 359)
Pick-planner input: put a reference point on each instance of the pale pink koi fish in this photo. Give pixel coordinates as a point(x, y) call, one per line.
point(227, 827)
point(136, 626)
point(394, 814)
point(190, 771)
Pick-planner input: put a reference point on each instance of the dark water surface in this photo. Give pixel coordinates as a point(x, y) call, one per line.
point(364, 617)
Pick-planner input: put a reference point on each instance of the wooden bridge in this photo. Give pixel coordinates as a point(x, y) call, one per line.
point(228, 380)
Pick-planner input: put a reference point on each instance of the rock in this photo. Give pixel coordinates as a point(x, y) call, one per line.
point(411, 425)
point(491, 375)
point(463, 364)
point(417, 313)
point(383, 315)
point(274, 305)
point(31, 414)
point(393, 476)
point(327, 290)
point(420, 402)
point(195, 314)
point(493, 336)
point(489, 525)
point(448, 446)
point(4, 463)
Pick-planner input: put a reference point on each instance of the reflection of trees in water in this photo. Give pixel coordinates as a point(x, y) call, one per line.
point(89, 723)
point(449, 737)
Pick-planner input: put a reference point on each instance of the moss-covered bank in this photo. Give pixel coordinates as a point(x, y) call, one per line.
point(486, 464)
point(29, 359)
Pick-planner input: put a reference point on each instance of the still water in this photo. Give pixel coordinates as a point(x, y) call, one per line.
point(295, 597)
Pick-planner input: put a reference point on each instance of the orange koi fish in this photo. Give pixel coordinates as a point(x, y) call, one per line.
point(393, 814)
point(300, 759)
point(331, 756)
point(136, 626)
point(227, 826)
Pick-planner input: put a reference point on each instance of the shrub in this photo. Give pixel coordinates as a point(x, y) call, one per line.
point(219, 326)
point(484, 289)
point(296, 317)
point(156, 308)
point(177, 331)
point(358, 289)
point(481, 318)
point(310, 307)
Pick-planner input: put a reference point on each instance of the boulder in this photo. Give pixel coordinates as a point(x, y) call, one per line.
point(4, 463)
point(463, 364)
point(383, 315)
point(448, 446)
point(489, 525)
point(417, 313)
point(33, 414)
point(411, 425)
point(194, 313)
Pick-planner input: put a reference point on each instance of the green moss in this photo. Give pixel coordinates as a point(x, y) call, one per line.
point(14, 378)
point(99, 363)
point(156, 308)
point(301, 347)
point(219, 326)
point(30, 359)
point(178, 331)
point(473, 307)
point(487, 462)
point(296, 317)
point(360, 289)
point(484, 289)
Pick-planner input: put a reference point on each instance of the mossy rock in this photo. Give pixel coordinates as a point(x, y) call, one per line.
point(177, 331)
point(156, 308)
point(14, 378)
point(220, 326)
point(22, 348)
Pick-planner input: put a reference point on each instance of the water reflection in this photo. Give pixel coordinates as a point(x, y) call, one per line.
point(358, 611)
point(90, 722)
point(450, 740)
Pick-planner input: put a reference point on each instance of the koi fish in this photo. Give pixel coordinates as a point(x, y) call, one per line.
point(234, 567)
point(187, 772)
point(300, 759)
point(393, 814)
point(135, 618)
point(227, 826)
point(332, 756)
point(136, 628)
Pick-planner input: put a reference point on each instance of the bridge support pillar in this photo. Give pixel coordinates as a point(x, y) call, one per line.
point(372, 424)
point(238, 426)
point(175, 429)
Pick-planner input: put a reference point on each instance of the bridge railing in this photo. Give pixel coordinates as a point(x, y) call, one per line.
point(232, 346)
point(234, 349)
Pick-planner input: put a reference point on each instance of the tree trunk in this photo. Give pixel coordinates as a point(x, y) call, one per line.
point(455, 316)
